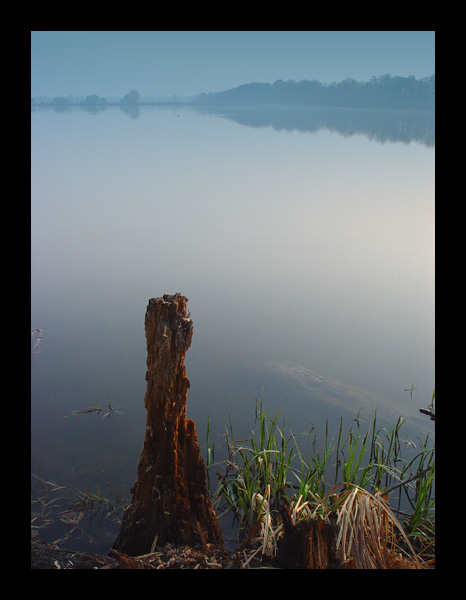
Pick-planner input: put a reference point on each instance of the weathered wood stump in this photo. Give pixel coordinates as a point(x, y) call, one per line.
point(308, 545)
point(170, 500)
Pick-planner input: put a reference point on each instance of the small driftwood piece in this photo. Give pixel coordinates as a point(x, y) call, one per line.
point(429, 412)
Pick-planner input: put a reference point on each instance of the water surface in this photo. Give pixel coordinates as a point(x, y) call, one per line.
point(301, 238)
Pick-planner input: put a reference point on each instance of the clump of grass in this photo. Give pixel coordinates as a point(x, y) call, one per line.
point(256, 473)
point(420, 494)
point(269, 469)
point(369, 533)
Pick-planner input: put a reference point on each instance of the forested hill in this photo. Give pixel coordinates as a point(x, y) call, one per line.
point(380, 92)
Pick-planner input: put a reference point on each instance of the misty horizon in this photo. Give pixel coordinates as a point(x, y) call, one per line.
point(188, 63)
point(242, 94)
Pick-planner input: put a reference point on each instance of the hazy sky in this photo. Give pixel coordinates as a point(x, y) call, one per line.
point(111, 63)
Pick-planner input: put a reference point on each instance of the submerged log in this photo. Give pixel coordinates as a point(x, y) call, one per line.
point(170, 501)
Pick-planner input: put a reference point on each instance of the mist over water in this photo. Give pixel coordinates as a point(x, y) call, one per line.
point(310, 247)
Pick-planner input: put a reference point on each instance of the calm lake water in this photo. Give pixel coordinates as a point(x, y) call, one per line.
point(303, 239)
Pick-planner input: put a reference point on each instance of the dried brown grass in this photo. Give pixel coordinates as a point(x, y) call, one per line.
point(370, 536)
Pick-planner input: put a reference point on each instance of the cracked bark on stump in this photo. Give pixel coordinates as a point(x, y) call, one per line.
point(170, 501)
point(308, 545)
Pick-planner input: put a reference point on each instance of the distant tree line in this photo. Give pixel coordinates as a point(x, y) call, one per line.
point(380, 92)
point(132, 98)
point(95, 100)
point(402, 93)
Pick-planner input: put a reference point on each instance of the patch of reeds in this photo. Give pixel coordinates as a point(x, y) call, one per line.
point(372, 480)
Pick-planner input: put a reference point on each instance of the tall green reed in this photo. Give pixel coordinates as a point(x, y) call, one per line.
point(253, 466)
point(271, 464)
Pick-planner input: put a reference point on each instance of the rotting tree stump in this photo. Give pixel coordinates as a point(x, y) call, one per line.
point(170, 501)
point(310, 544)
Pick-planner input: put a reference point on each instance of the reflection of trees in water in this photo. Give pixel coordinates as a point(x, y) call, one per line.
point(377, 124)
point(133, 111)
point(94, 109)
point(380, 125)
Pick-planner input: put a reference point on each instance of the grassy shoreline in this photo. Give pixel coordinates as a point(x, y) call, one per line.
point(378, 488)
point(365, 482)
